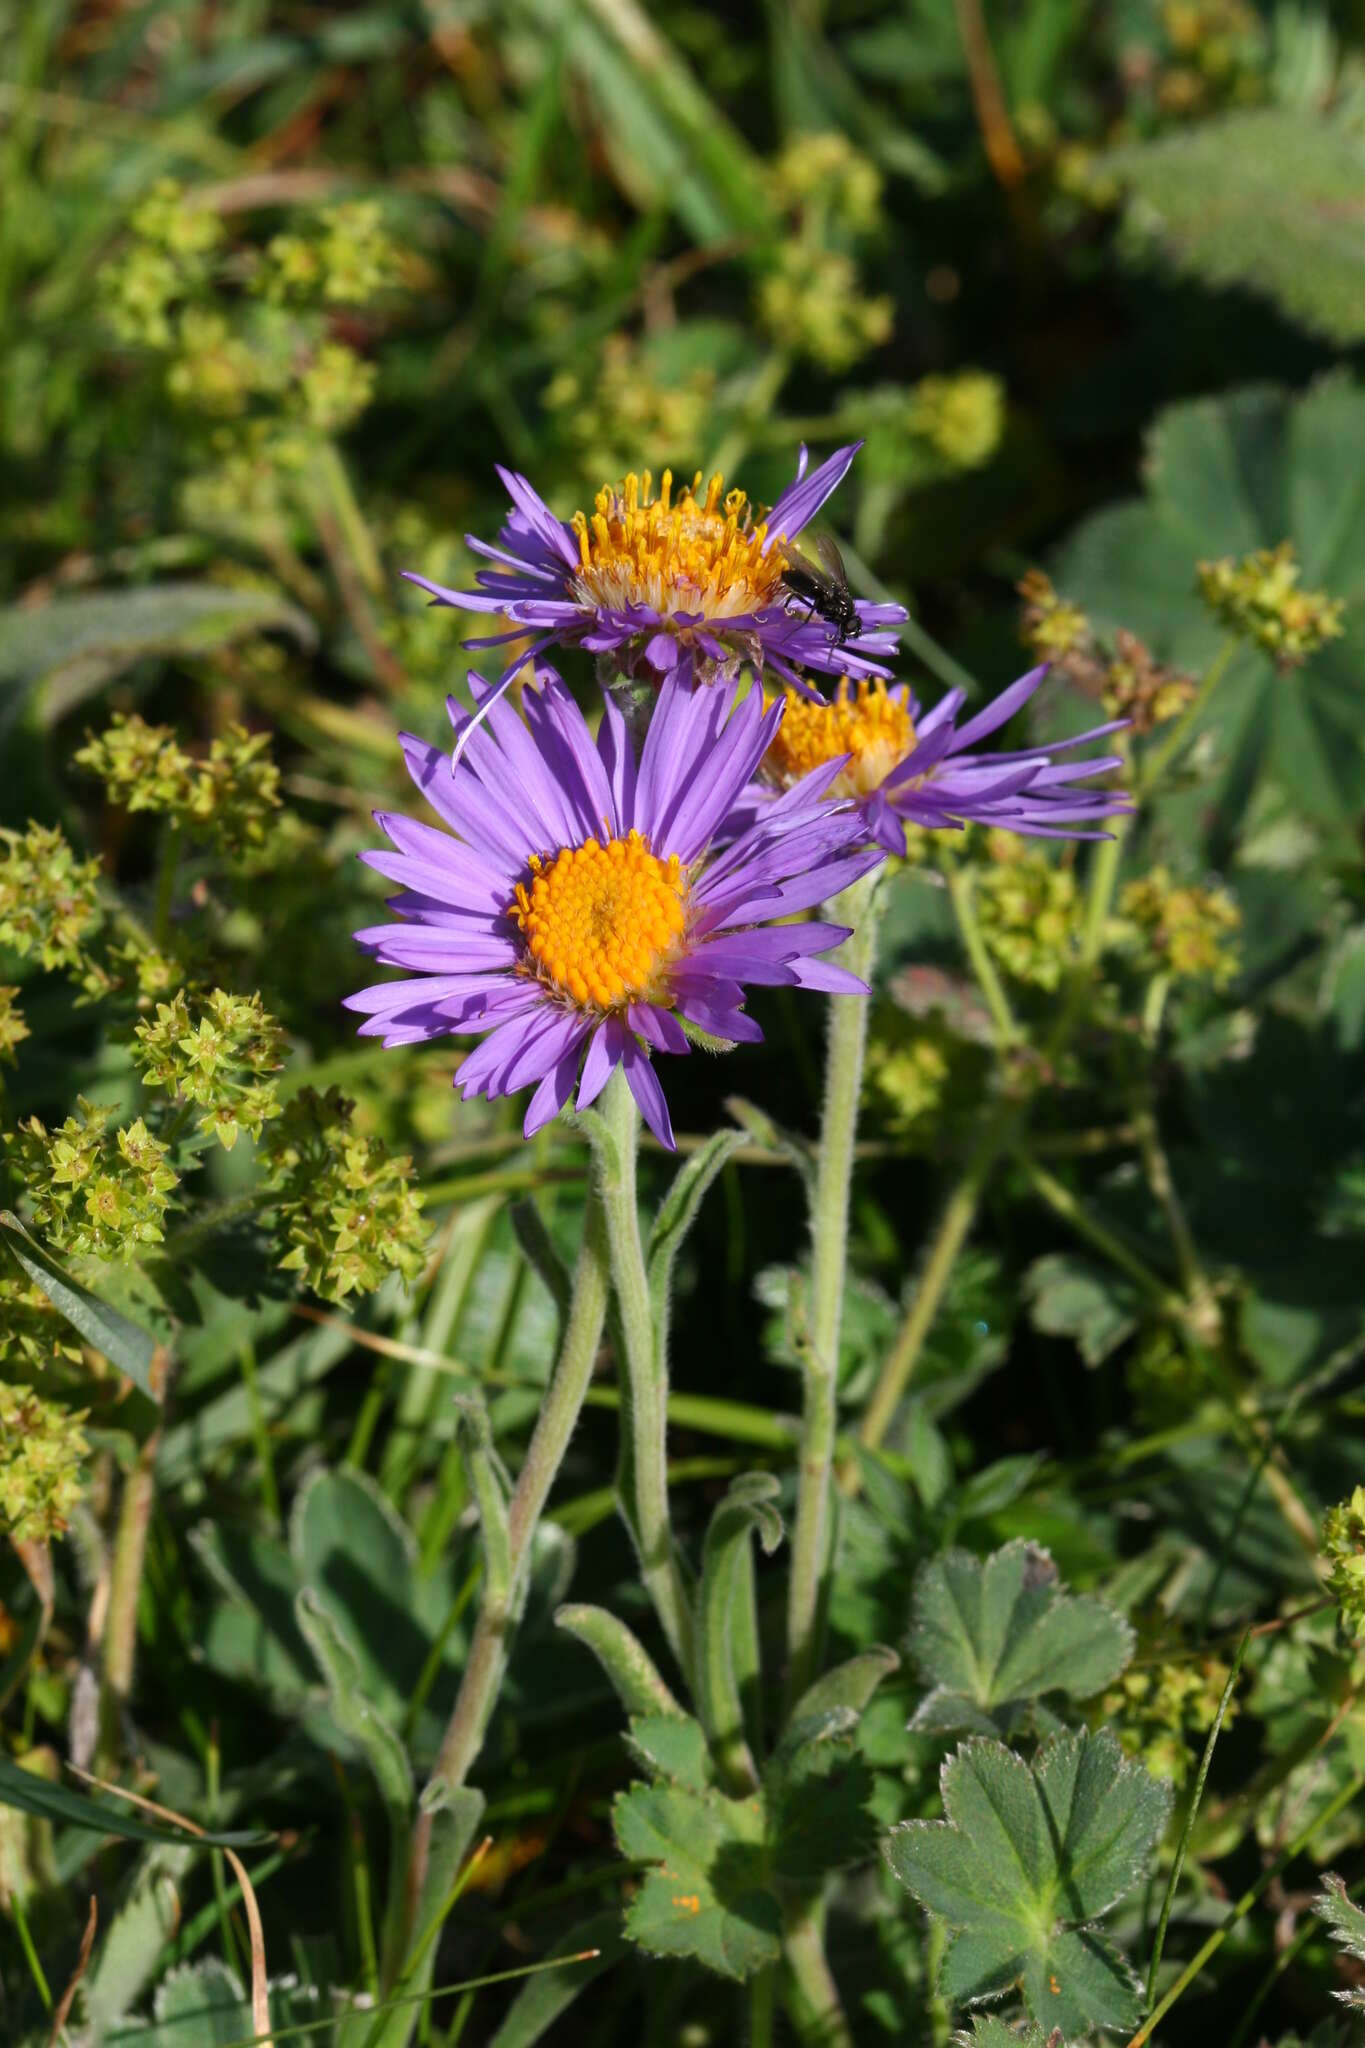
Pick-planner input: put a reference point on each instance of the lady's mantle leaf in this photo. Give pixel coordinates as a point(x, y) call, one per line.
point(708, 1897)
point(1346, 1921)
point(1025, 1860)
point(994, 1636)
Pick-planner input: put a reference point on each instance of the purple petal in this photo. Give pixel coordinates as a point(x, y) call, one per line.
point(645, 1087)
point(803, 498)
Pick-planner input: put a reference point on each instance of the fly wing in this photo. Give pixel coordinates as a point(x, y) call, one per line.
point(826, 551)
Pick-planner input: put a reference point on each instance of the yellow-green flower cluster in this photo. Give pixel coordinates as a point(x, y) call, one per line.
point(1161, 1712)
point(348, 260)
point(169, 260)
point(622, 403)
point(961, 418)
point(42, 1452)
point(1343, 1550)
point(824, 173)
point(347, 1205)
point(1127, 679)
point(1259, 599)
point(213, 1049)
point(227, 799)
point(811, 302)
point(909, 1068)
point(91, 1189)
point(49, 900)
point(1185, 930)
point(34, 1337)
point(13, 1030)
point(1026, 905)
point(1219, 47)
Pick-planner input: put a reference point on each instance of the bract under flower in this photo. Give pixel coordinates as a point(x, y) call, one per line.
point(575, 912)
point(682, 583)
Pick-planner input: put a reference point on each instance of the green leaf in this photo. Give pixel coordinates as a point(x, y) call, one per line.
point(353, 1552)
point(677, 1214)
point(989, 2032)
point(848, 1685)
point(672, 1747)
point(727, 1626)
point(201, 2005)
point(817, 1792)
point(1071, 1296)
point(129, 1349)
point(537, 1248)
point(991, 1637)
point(708, 1898)
point(541, 2001)
point(1026, 1861)
point(68, 1808)
point(1267, 197)
point(355, 1715)
point(629, 1666)
point(1226, 475)
point(75, 644)
point(1346, 1920)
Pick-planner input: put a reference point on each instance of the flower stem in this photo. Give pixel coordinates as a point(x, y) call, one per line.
point(829, 1252)
point(1160, 758)
point(961, 896)
point(545, 1454)
point(642, 1479)
point(816, 2009)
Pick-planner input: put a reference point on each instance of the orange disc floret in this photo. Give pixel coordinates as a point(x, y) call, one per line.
point(600, 920)
point(863, 720)
point(698, 553)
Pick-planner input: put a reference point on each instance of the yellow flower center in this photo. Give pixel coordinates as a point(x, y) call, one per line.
point(600, 920)
point(695, 554)
point(862, 721)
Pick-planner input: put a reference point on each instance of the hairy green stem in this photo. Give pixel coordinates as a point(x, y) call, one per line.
point(504, 1593)
point(545, 1454)
point(960, 895)
point(847, 1045)
point(119, 1642)
point(813, 2000)
point(643, 1473)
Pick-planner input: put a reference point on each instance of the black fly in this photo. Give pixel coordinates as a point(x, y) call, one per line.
point(815, 577)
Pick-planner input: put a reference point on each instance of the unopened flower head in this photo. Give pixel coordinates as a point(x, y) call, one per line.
point(906, 766)
point(1185, 929)
point(670, 582)
point(1126, 677)
point(577, 917)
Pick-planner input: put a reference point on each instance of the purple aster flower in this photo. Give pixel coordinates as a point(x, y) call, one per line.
point(687, 585)
point(574, 912)
point(905, 766)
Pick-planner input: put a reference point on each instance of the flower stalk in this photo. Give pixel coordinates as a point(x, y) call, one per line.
point(847, 1044)
point(642, 1478)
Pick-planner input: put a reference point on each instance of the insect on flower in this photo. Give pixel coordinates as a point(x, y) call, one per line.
point(816, 577)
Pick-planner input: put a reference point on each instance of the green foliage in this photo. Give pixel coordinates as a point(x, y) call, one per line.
point(992, 1638)
point(348, 1210)
point(1027, 1860)
point(1226, 476)
point(1262, 197)
point(42, 1451)
point(1346, 1921)
point(92, 1189)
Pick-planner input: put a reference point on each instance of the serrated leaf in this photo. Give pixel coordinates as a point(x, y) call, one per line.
point(672, 1747)
point(1026, 1860)
point(1346, 1921)
point(817, 1791)
point(1266, 197)
point(201, 2005)
point(990, 2032)
point(993, 1636)
point(708, 1898)
point(127, 1347)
